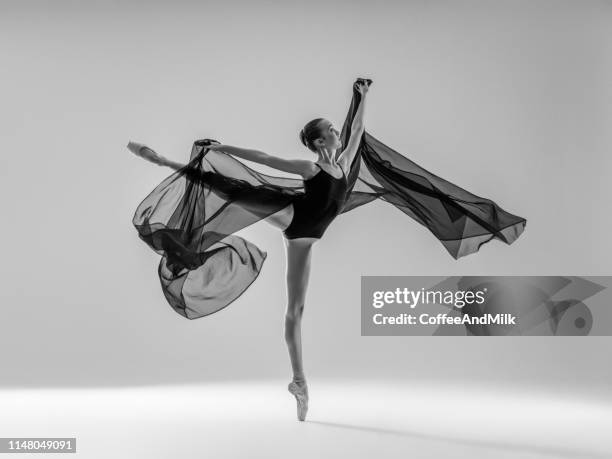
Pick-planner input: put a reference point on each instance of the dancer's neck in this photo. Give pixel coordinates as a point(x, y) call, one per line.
point(327, 157)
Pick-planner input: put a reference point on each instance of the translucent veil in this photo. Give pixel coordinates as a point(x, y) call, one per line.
point(190, 218)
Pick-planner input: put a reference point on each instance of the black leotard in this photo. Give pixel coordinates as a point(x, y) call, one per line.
point(324, 196)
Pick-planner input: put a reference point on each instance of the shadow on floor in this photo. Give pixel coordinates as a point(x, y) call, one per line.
point(474, 443)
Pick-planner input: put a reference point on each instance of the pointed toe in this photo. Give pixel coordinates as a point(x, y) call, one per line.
point(301, 397)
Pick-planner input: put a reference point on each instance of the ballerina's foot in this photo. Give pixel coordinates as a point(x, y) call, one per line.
point(135, 147)
point(300, 391)
point(145, 152)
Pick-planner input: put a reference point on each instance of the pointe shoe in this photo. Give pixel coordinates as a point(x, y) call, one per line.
point(301, 396)
point(135, 147)
point(145, 152)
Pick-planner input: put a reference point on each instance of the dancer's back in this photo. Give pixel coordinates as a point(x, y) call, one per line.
point(324, 196)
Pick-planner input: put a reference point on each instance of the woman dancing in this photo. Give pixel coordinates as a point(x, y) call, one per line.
point(205, 266)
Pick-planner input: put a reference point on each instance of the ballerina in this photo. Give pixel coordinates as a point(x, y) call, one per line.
point(205, 266)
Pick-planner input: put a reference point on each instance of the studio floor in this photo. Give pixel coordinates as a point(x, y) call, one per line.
point(353, 419)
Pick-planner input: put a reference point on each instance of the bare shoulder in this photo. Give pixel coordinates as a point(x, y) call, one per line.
point(343, 162)
point(309, 169)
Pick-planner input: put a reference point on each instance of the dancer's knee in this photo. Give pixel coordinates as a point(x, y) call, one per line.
point(294, 311)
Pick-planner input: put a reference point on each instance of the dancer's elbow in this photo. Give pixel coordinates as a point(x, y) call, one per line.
point(358, 127)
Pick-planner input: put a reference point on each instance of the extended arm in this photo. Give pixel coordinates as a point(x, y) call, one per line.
point(294, 166)
point(357, 128)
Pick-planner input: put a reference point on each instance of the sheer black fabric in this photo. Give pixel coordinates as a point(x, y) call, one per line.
point(191, 217)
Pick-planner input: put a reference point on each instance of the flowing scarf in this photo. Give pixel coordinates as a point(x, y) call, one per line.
point(190, 218)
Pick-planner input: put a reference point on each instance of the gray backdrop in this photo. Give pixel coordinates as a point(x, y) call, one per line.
point(510, 100)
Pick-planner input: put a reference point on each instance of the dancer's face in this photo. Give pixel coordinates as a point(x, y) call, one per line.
point(330, 136)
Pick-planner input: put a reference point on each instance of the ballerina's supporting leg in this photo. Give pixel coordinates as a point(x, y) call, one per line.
point(298, 272)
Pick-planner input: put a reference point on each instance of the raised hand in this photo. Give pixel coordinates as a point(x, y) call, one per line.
point(362, 85)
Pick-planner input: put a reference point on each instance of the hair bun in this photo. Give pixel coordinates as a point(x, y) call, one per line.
point(303, 138)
